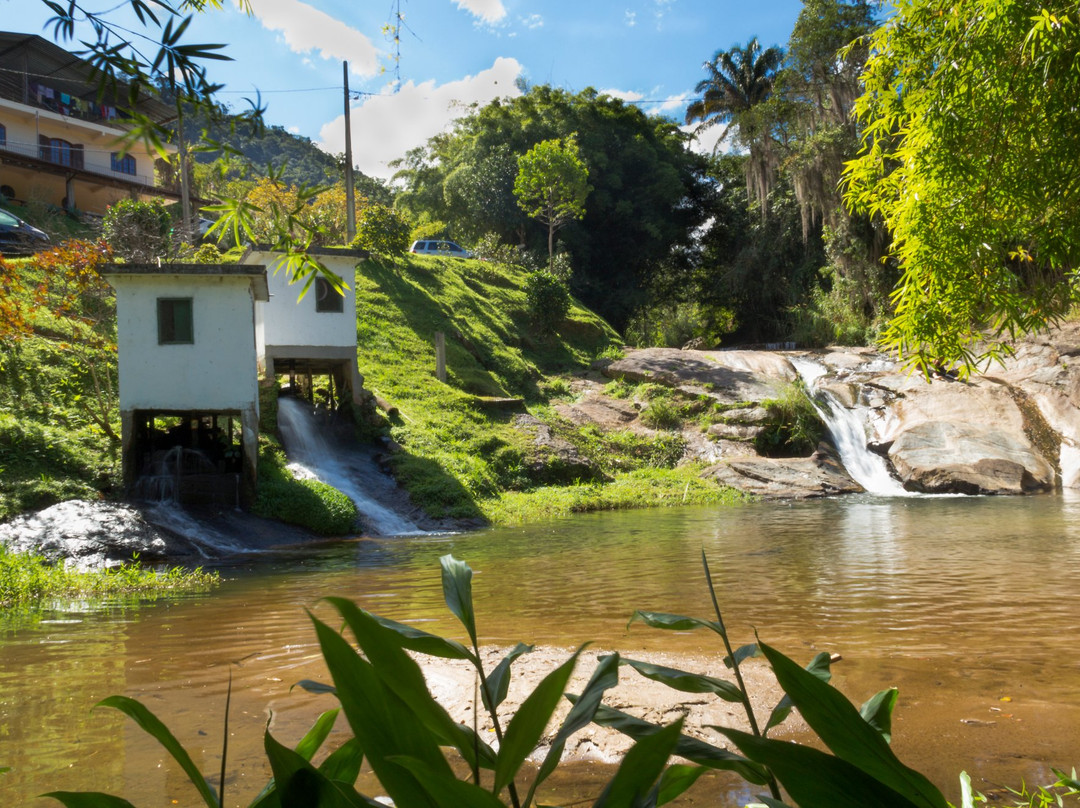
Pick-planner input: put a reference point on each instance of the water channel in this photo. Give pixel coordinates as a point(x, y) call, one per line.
point(962, 603)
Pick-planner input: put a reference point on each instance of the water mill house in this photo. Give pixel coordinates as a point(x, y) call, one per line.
point(189, 406)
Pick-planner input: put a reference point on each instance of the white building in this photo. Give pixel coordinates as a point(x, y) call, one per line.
point(315, 335)
point(189, 402)
point(59, 140)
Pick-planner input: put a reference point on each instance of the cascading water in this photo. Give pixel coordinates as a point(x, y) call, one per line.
point(848, 431)
point(347, 470)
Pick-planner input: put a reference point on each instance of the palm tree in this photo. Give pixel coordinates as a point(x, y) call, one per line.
point(739, 79)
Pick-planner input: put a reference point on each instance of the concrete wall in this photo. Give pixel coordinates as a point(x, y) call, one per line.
point(216, 372)
point(288, 321)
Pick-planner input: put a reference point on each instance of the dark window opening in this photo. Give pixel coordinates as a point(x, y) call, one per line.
point(61, 152)
point(123, 165)
point(327, 298)
point(175, 322)
point(3, 135)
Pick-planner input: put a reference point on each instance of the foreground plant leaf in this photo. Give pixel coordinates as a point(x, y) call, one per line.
point(819, 667)
point(498, 681)
point(457, 591)
point(402, 675)
point(581, 714)
point(381, 722)
point(675, 780)
point(815, 779)
point(697, 751)
point(878, 709)
point(528, 723)
point(847, 734)
point(298, 784)
point(640, 769)
point(448, 792)
point(159, 732)
point(686, 682)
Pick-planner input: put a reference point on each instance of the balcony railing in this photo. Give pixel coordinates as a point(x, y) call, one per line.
point(92, 161)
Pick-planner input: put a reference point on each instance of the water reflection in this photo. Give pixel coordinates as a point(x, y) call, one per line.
point(960, 602)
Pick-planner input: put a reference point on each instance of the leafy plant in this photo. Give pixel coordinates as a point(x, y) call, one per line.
point(794, 427)
point(548, 299)
point(381, 230)
point(138, 231)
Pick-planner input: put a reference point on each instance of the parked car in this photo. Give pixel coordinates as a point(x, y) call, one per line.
point(19, 238)
point(447, 249)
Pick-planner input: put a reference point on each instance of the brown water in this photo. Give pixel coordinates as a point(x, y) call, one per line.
point(959, 602)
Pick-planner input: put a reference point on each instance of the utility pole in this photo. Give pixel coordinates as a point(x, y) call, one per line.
point(350, 198)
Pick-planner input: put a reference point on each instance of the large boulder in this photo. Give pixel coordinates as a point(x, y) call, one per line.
point(732, 376)
point(960, 437)
point(819, 475)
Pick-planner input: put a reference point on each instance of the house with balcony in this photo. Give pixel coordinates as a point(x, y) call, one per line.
point(60, 141)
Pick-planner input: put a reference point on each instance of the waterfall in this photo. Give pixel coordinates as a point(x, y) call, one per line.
point(345, 468)
point(847, 427)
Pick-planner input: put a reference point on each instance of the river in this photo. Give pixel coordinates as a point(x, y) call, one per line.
point(968, 605)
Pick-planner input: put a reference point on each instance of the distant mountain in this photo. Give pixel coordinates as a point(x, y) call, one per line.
point(303, 161)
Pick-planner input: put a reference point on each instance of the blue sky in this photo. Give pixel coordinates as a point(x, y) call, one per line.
point(454, 53)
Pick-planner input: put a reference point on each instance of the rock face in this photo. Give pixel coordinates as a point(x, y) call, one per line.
point(91, 535)
point(734, 376)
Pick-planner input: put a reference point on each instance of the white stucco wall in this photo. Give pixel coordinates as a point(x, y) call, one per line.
point(216, 372)
point(286, 320)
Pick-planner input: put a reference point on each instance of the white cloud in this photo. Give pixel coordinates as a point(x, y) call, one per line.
point(306, 28)
point(625, 95)
point(385, 127)
point(490, 11)
point(631, 19)
point(533, 21)
point(675, 102)
point(709, 140)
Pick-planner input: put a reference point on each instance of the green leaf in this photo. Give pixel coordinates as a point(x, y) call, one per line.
point(530, 720)
point(157, 730)
point(381, 722)
point(815, 779)
point(675, 780)
point(847, 734)
point(402, 675)
point(447, 791)
point(457, 590)
point(88, 799)
point(673, 622)
point(605, 676)
point(498, 681)
point(743, 653)
point(416, 640)
point(640, 769)
point(298, 784)
point(877, 712)
point(967, 796)
point(313, 739)
point(694, 750)
point(319, 688)
point(345, 762)
point(819, 667)
point(686, 682)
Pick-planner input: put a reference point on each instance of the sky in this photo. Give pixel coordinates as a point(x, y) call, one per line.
point(452, 54)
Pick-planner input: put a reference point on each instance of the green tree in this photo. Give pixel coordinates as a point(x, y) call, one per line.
point(646, 204)
point(551, 186)
point(739, 81)
point(971, 156)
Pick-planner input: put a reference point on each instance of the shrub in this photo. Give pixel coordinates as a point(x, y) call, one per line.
point(381, 230)
point(548, 299)
point(137, 231)
point(661, 414)
point(207, 254)
point(794, 428)
point(310, 504)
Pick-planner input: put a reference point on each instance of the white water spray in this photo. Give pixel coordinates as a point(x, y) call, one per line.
point(848, 430)
point(347, 471)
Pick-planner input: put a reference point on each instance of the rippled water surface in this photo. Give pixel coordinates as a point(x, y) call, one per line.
point(969, 605)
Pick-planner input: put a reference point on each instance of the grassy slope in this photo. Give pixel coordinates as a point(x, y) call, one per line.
point(459, 456)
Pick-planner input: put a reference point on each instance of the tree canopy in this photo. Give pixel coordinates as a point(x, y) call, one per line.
point(551, 185)
point(645, 206)
point(971, 156)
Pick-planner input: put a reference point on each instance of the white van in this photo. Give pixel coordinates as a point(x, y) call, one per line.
point(447, 249)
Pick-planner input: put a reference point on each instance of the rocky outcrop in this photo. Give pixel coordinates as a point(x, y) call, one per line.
point(733, 376)
point(553, 460)
point(820, 475)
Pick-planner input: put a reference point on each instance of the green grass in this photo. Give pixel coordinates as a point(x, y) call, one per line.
point(645, 488)
point(310, 504)
point(27, 578)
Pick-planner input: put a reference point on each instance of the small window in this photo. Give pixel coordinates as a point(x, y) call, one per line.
point(123, 165)
point(3, 135)
point(175, 323)
point(327, 298)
